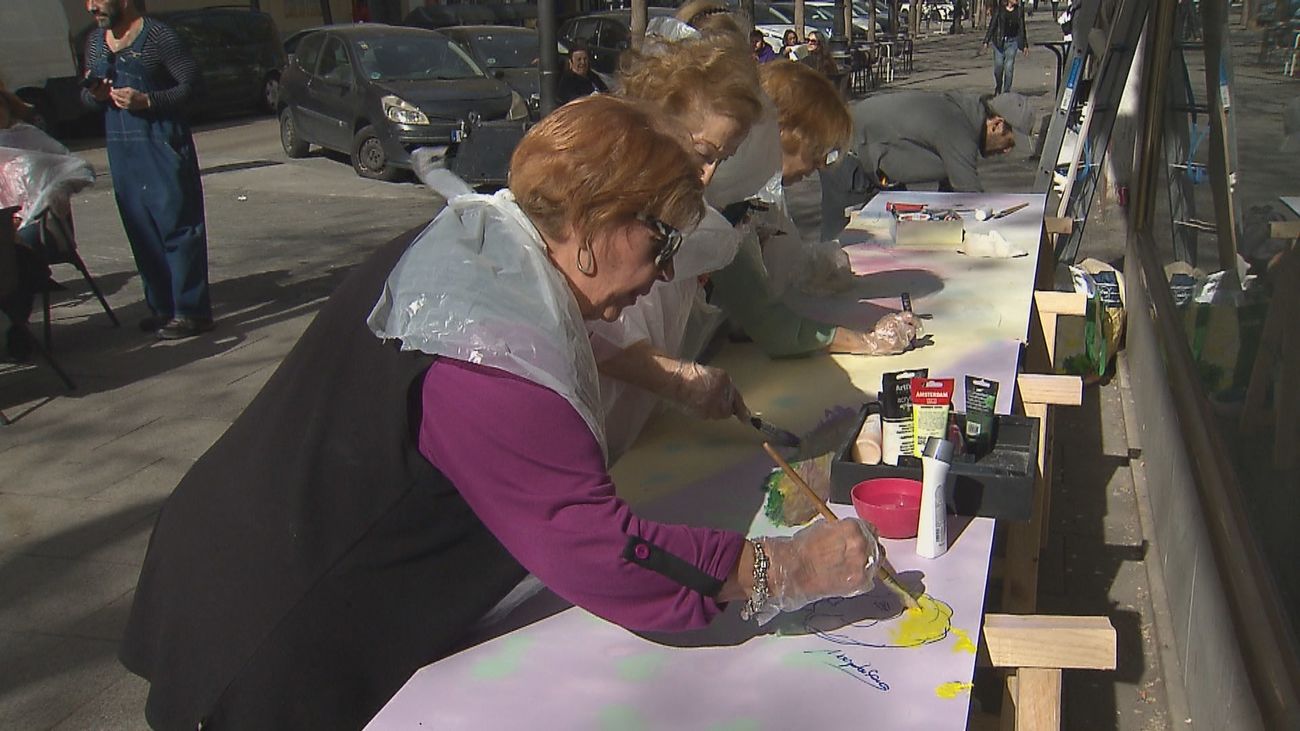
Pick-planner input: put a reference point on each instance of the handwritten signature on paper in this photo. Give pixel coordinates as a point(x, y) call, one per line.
point(862, 672)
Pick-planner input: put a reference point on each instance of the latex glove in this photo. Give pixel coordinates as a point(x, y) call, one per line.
point(705, 391)
point(893, 334)
point(825, 559)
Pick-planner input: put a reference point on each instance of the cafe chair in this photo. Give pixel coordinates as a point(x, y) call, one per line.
point(9, 284)
point(57, 244)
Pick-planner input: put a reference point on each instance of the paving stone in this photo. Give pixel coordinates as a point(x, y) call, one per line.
point(52, 595)
point(45, 678)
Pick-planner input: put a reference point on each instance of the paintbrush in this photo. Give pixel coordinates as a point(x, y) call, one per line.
point(774, 434)
point(887, 576)
point(1008, 211)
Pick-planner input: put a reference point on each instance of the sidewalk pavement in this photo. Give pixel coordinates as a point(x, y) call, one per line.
point(85, 472)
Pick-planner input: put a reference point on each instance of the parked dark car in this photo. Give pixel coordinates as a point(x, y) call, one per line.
point(508, 52)
point(605, 34)
point(378, 92)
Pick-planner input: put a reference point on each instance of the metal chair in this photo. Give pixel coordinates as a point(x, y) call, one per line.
point(9, 284)
point(57, 244)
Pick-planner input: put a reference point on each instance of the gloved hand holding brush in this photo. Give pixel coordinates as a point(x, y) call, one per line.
point(826, 559)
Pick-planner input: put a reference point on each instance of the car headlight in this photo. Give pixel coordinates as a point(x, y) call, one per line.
point(518, 108)
point(400, 111)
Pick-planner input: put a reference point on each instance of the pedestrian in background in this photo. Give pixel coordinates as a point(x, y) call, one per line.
point(789, 45)
point(578, 80)
point(141, 75)
point(1007, 35)
point(758, 45)
point(819, 56)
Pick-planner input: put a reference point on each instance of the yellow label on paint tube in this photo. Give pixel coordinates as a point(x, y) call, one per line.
point(931, 402)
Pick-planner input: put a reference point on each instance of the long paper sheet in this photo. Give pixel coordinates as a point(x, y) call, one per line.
point(836, 662)
point(850, 662)
point(979, 312)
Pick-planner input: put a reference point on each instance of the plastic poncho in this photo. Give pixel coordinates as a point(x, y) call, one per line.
point(477, 286)
point(36, 172)
point(660, 318)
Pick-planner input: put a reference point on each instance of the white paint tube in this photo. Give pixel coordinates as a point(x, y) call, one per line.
point(896, 413)
point(932, 527)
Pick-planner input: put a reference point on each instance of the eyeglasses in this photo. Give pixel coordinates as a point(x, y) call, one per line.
point(814, 42)
point(668, 239)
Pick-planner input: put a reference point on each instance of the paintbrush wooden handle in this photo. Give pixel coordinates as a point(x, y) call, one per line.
point(794, 476)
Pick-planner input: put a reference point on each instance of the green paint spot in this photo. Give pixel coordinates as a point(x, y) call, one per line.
point(741, 724)
point(639, 668)
point(504, 662)
point(786, 402)
point(621, 718)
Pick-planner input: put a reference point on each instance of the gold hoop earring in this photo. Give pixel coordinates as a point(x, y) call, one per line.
point(589, 267)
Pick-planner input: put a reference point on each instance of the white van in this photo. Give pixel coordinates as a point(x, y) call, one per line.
point(36, 58)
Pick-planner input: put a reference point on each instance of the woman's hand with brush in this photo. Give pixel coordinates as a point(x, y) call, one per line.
point(706, 391)
point(894, 333)
point(825, 559)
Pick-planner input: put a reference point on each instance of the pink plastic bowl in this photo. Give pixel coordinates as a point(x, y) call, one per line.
point(892, 504)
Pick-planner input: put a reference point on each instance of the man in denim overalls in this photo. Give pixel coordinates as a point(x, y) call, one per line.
point(141, 74)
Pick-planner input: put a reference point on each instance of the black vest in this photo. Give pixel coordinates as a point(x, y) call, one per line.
point(312, 559)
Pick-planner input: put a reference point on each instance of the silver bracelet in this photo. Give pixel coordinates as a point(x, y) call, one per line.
point(758, 599)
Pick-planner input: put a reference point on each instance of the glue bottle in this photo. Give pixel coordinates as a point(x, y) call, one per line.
point(932, 528)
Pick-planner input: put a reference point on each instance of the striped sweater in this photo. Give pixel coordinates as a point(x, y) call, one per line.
point(164, 53)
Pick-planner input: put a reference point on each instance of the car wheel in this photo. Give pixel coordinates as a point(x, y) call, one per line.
point(270, 98)
point(294, 145)
point(369, 158)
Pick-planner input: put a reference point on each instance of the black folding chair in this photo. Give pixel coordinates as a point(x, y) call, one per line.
point(9, 284)
point(57, 244)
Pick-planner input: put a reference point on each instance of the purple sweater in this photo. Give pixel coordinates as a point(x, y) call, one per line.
point(531, 470)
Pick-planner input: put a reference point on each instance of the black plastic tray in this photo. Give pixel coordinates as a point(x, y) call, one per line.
point(998, 485)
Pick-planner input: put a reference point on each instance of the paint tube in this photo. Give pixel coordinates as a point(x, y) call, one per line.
point(866, 447)
point(896, 413)
point(981, 401)
point(931, 402)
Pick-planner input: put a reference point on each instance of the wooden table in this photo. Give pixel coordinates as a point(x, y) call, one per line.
point(836, 662)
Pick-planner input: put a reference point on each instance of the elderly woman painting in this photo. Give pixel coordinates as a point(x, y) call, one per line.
point(411, 461)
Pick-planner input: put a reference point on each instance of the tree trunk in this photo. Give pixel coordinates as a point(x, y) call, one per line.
point(639, 20)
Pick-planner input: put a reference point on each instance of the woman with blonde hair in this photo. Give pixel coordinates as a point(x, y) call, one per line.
point(711, 88)
point(814, 127)
point(709, 85)
point(411, 461)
